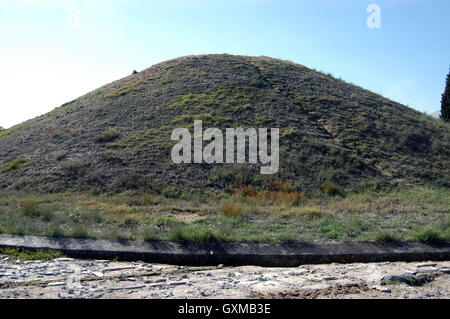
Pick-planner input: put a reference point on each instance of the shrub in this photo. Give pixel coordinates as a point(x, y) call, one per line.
point(312, 212)
point(129, 179)
point(54, 232)
point(165, 222)
point(31, 209)
point(250, 195)
point(75, 214)
point(386, 237)
point(53, 131)
point(170, 192)
point(60, 155)
point(75, 132)
point(292, 198)
point(247, 190)
point(107, 135)
point(280, 186)
point(290, 132)
point(147, 199)
point(124, 237)
point(150, 234)
point(232, 210)
point(143, 200)
point(79, 232)
point(332, 189)
point(278, 191)
point(167, 81)
point(74, 168)
point(47, 215)
point(129, 220)
point(308, 212)
point(121, 209)
point(427, 235)
point(201, 234)
point(416, 142)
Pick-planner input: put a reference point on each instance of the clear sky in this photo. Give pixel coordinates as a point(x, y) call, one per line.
point(52, 51)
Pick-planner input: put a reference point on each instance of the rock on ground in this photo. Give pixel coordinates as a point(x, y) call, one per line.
point(71, 278)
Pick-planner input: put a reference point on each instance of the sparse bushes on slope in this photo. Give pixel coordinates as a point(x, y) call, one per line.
point(329, 131)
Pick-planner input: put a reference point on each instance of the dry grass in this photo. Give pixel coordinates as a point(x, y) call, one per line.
point(307, 212)
point(53, 131)
point(282, 195)
point(107, 135)
point(232, 210)
point(129, 220)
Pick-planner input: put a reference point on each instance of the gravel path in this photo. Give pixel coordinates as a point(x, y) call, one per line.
point(71, 278)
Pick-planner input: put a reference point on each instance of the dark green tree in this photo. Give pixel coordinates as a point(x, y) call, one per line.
point(445, 103)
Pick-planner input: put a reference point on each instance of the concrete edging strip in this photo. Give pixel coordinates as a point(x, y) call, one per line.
point(233, 254)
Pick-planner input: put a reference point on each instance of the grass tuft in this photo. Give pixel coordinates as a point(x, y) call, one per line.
point(24, 254)
point(386, 237)
point(202, 234)
point(427, 235)
point(79, 232)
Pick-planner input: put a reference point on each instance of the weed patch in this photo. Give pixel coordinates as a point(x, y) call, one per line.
point(14, 165)
point(24, 254)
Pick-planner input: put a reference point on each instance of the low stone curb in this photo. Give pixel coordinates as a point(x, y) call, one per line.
point(233, 254)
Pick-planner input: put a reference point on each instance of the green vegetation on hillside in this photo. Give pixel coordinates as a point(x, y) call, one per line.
point(118, 137)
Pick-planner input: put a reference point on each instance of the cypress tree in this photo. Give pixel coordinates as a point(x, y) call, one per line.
point(445, 103)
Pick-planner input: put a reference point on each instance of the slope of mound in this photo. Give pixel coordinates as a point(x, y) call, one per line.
point(118, 136)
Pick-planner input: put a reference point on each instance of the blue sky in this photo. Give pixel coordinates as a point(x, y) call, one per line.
point(53, 51)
